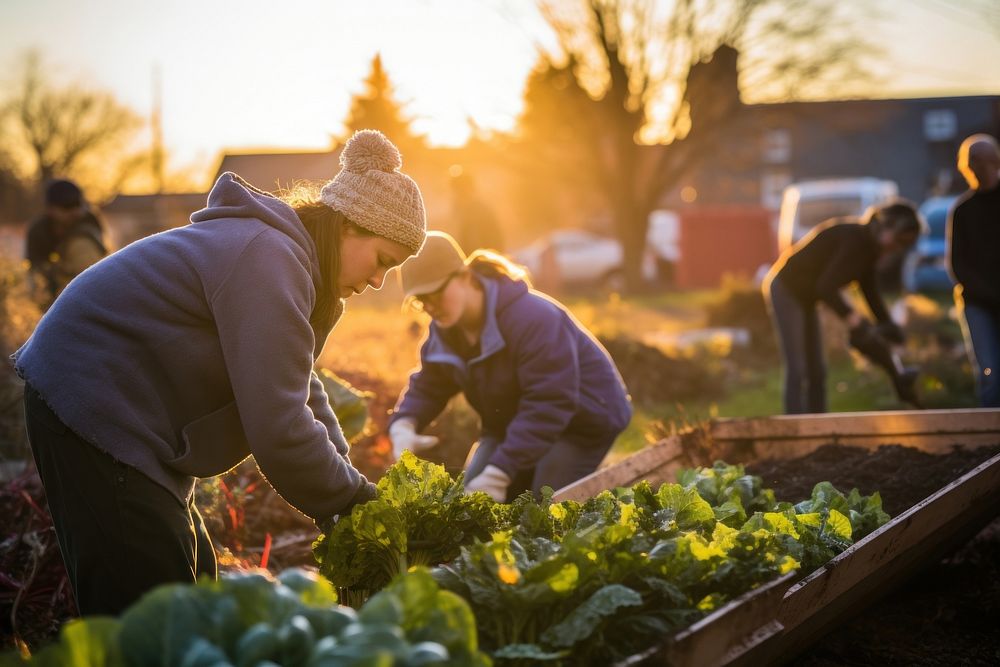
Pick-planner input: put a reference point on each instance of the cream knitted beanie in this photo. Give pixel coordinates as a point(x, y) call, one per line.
point(372, 192)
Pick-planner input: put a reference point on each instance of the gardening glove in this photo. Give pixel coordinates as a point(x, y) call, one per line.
point(891, 331)
point(403, 434)
point(492, 480)
point(863, 337)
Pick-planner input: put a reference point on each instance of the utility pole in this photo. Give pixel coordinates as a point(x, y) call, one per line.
point(157, 127)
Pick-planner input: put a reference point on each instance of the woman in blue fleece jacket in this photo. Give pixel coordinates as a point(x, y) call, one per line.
point(187, 351)
point(550, 399)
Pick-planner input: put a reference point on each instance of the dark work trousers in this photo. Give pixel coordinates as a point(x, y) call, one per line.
point(981, 328)
point(565, 462)
point(120, 533)
point(801, 344)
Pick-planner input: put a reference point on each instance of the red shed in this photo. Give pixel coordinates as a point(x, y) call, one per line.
point(720, 240)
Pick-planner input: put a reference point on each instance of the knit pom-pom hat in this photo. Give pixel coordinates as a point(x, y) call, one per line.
point(373, 193)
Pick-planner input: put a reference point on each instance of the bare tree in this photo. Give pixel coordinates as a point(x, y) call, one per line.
point(669, 72)
point(69, 131)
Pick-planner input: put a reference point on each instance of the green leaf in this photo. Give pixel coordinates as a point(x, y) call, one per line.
point(83, 642)
point(839, 525)
point(161, 627)
point(349, 404)
point(691, 511)
point(435, 615)
point(583, 621)
point(313, 590)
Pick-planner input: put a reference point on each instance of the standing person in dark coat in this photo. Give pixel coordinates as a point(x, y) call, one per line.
point(66, 239)
point(830, 257)
point(974, 260)
point(182, 354)
point(550, 398)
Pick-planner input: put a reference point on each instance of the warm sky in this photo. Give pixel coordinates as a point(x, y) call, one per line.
point(280, 74)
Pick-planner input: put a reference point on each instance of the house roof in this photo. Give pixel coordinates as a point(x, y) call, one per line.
point(278, 171)
point(142, 203)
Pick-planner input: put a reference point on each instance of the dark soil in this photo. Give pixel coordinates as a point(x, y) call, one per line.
point(903, 476)
point(35, 595)
point(948, 614)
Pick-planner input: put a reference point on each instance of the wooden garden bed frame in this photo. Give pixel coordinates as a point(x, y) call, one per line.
point(776, 622)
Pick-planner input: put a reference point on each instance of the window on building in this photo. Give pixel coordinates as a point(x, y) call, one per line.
point(940, 125)
point(776, 146)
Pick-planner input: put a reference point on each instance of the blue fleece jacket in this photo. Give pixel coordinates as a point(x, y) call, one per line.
point(539, 376)
point(187, 351)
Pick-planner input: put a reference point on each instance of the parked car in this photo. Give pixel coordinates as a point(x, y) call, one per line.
point(663, 241)
point(925, 269)
point(574, 258)
point(808, 203)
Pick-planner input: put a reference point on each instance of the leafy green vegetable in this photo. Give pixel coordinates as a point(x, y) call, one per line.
point(251, 619)
point(421, 517)
point(349, 404)
point(89, 642)
point(663, 557)
point(585, 619)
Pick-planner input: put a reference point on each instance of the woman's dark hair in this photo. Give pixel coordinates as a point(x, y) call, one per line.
point(493, 265)
point(898, 216)
point(324, 226)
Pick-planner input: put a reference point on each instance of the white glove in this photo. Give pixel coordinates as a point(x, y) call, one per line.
point(403, 434)
point(492, 480)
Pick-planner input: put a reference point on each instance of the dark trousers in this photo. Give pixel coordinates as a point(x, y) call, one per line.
point(981, 327)
point(120, 533)
point(801, 343)
point(565, 462)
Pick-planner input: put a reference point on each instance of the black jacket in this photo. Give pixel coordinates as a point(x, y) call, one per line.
point(835, 254)
point(44, 242)
point(974, 246)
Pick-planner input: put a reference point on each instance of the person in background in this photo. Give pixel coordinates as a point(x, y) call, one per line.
point(550, 399)
point(66, 239)
point(185, 352)
point(833, 255)
point(973, 238)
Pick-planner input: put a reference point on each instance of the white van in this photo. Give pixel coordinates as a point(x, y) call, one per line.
point(808, 203)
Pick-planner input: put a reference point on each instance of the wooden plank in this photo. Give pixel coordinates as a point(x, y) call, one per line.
point(710, 640)
point(790, 436)
point(626, 472)
point(720, 637)
point(885, 558)
point(855, 424)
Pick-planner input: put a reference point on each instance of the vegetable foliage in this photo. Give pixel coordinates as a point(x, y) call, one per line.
point(590, 583)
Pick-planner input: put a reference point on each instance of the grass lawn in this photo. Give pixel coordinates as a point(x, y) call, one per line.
point(758, 394)
point(378, 339)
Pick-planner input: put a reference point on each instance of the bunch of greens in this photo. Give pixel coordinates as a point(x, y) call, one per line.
point(252, 619)
point(593, 582)
point(732, 493)
point(421, 516)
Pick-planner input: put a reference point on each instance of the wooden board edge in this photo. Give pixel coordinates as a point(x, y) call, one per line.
point(627, 471)
point(851, 424)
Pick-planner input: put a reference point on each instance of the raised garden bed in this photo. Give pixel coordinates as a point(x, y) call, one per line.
point(949, 508)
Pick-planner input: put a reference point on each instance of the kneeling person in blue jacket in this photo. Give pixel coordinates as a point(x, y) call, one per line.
point(550, 399)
